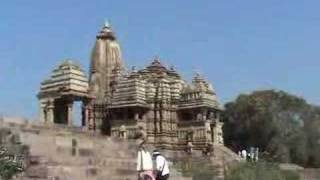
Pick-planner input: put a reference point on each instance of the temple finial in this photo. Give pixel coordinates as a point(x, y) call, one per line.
point(157, 58)
point(107, 24)
point(197, 73)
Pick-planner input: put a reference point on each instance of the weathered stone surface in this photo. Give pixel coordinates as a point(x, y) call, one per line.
point(108, 158)
point(37, 171)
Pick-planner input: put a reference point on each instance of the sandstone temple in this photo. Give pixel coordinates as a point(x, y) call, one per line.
point(173, 113)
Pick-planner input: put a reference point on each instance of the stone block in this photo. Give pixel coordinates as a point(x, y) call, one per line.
point(85, 152)
point(37, 172)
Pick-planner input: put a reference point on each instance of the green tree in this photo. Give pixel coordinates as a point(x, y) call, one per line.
point(283, 126)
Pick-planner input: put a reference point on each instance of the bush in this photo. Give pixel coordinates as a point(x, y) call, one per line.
point(12, 154)
point(198, 169)
point(260, 171)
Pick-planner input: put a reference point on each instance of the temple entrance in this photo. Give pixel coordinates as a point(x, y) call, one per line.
point(70, 110)
point(77, 114)
point(60, 112)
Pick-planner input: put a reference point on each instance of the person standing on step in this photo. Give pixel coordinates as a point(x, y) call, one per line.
point(161, 166)
point(144, 164)
point(144, 159)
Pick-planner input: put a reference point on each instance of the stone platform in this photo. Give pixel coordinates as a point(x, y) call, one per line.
point(61, 153)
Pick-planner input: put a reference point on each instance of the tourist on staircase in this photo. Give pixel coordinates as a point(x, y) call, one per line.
point(161, 166)
point(144, 160)
point(144, 164)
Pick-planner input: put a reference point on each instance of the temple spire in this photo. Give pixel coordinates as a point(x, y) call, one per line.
point(106, 59)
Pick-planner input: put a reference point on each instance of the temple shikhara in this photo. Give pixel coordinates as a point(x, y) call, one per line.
point(173, 113)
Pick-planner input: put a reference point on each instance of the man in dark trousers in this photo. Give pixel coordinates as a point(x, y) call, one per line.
point(161, 166)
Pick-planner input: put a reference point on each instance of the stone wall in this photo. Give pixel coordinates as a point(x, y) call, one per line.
point(61, 153)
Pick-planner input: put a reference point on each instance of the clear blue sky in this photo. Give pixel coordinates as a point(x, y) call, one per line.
point(239, 45)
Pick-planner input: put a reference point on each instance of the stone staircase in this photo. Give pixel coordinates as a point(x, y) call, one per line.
point(62, 154)
point(108, 159)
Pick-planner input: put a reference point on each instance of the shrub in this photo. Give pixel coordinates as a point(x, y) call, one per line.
point(260, 171)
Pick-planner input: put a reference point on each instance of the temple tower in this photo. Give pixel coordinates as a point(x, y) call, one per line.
point(105, 61)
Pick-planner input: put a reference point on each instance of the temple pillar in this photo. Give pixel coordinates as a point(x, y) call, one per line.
point(88, 114)
point(207, 131)
point(144, 117)
point(136, 116)
point(199, 117)
point(218, 134)
point(123, 132)
point(150, 115)
point(158, 121)
point(218, 116)
point(91, 121)
point(168, 115)
point(204, 114)
point(69, 113)
point(163, 114)
point(50, 113)
point(42, 112)
point(85, 118)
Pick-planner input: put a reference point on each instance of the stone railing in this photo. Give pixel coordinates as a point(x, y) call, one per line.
point(191, 123)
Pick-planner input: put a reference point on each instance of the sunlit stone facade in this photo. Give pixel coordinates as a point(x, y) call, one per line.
point(66, 84)
point(172, 112)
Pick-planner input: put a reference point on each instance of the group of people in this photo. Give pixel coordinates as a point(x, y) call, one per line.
point(252, 155)
point(152, 167)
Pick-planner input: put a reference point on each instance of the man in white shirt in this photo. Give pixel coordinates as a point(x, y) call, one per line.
point(244, 154)
point(161, 166)
point(144, 164)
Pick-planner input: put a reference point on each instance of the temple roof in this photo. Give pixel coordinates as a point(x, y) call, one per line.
point(172, 72)
point(66, 77)
point(156, 66)
point(68, 63)
point(158, 69)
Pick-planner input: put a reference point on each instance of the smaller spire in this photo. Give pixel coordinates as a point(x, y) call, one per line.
point(156, 61)
point(197, 78)
point(197, 74)
point(157, 58)
point(172, 68)
point(133, 69)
